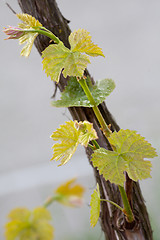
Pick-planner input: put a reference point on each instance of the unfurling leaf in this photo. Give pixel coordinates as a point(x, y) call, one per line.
point(29, 22)
point(74, 95)
point(25, 32)
point(95, 206)
point(130, 149)
point(58, 58)
point(87, 133)
point(29, 225)
point(70, 194)
point(13, 32)
point(71, 134)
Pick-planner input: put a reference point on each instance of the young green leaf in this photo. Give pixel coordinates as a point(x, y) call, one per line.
point(110, 164)
point(95, 207)
point(71, 134)
point(68, 135)
point(57, 58)
point(25, 224)
point(80, 41)
point(130, 149)
point(74, 95)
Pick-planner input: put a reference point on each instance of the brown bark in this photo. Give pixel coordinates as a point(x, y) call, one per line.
point(112, 221)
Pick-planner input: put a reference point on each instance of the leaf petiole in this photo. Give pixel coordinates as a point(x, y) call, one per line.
point(52, 199)
point(98, 114)
point(91, 146)
point(113, 203)
point(94, 146)
point(43, 31)
point(127, 208)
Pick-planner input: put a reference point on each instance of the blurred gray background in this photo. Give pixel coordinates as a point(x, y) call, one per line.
point(129, 34)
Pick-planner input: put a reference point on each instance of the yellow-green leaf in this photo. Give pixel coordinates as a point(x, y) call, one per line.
point(87, 133)
point(29, 225)
point(14, 229)
point(57, 57)
point(20, 214)
point(71, 134)
point(95, 206)
point(28, 38)
point(68, 135)
point(80, 41)
point(70, 188)
point(71, 62)
point(110, 164)
point(130, 149)
point(70, 193)
point(28, 22)
point(40, 213)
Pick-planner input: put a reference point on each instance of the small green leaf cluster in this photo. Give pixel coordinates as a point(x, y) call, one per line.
point(129, 151)
point(56, 57)
point(25, 224)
